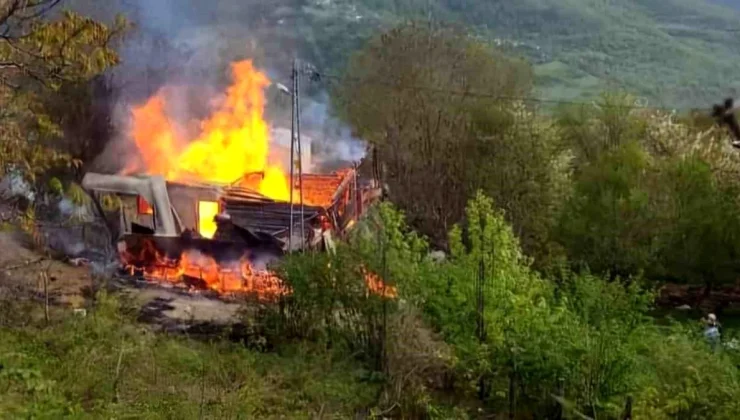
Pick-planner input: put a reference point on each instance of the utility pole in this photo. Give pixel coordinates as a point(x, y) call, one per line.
point(296, 165)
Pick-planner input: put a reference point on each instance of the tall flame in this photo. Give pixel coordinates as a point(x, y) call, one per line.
point(233, 141)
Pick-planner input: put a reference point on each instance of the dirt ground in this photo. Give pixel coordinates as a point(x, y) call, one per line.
point(20, 266)
point(70, 286)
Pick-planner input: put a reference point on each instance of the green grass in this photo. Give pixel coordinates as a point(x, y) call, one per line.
point(730, 320)
point(108, 366)
point(559, 81)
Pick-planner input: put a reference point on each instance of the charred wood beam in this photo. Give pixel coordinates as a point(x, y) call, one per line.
point(343, 186)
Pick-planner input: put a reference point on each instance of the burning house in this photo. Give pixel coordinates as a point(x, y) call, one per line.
point(222, 236)
point(211, 210)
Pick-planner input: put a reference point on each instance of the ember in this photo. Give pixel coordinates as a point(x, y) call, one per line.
point(193, 268)
point(239, 276)
point(377, 286)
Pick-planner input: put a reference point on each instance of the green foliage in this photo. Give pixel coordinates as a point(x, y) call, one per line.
point(520, 163)
point(39, 57)
point(587, 336)
point(526, 331)
point(330, 298)
point(388, 247)
point(438, 149)
point(332, 302)
point(590, 131)
point(598, 302)
point(651, 196)
point(598, 184)
point(701, 246)
point(609, 222)
point(55, 186)
point(685, 380)
point(77, 194)
point(72, 369)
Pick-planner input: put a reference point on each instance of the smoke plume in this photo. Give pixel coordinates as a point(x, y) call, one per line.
point(190, 44)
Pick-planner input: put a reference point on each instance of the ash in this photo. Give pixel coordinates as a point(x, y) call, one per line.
point(175, 309)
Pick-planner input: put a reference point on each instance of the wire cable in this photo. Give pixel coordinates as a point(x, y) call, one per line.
point(316, 76)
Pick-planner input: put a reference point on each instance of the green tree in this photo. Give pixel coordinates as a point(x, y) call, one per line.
point(590, 130)
point(522, 166)
point(584, 335)
point(609, 223)
point(441, 110)
point(38, 56)
point(702, 244)
point(650, 194)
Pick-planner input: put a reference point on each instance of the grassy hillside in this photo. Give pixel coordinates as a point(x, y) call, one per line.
point(730, 3)
point(676, 53)
point(108, 366)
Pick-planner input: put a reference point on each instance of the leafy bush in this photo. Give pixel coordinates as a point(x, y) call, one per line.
point(590, 338)
point(701, 244)
point(598, 302)
point(684, 379)
point(609, 224)
point(524, 334)
point(330, 299)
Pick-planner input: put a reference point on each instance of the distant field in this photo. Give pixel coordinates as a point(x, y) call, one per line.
point(677, 53)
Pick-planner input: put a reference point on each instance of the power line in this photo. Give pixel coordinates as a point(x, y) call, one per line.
point(316, 76)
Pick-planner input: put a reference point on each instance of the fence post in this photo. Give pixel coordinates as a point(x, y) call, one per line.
point(627, 415)
point(202, 388)
point(45, 278)
point(481, 327)
point(512, 394)
point(558, 415)
point(383, 356)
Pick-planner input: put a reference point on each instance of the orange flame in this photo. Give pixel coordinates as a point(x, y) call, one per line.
point(233, 141)
point(238, 277)
point(207, 211)
point(377, 286)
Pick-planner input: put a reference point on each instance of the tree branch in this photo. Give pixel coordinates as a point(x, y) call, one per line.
point(8, 14)
point(42, 6)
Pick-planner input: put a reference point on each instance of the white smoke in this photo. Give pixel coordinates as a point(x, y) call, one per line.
point(334, 140)
point(262, 261)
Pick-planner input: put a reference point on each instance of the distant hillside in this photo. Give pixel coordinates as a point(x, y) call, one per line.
point(678, 53)
point(735, 4)
point(681, 53)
